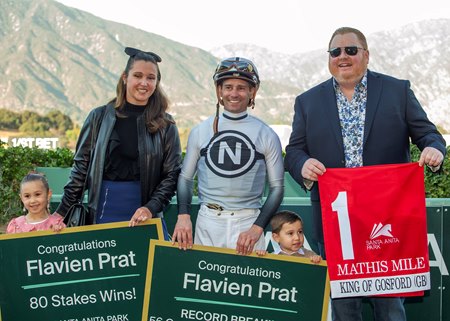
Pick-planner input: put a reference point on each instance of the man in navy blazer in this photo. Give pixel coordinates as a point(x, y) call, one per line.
point(357, 118)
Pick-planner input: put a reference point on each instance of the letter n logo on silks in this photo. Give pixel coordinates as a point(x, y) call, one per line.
point(230, 154)
point(375, 230)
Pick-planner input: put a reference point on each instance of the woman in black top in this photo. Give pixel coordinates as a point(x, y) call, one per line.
point(128, 151)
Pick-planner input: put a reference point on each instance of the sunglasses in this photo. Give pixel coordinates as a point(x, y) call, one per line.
point(241, 65)
point(133, 52)
point(350, 50)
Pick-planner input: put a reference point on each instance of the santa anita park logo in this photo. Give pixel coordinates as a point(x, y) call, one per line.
point(381, 235)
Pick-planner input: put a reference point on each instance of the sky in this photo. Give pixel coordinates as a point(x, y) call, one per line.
point(308, 24)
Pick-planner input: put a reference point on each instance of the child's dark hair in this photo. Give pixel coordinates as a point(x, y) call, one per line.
point(34, 176)
point(282, 217)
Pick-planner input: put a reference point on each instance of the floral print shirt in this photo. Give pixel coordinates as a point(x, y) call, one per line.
point(352, 115)
point(20, 224)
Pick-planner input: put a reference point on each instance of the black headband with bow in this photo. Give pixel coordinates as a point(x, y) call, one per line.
point(133, 52)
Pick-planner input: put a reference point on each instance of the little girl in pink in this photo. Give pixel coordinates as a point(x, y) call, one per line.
point(35, 195)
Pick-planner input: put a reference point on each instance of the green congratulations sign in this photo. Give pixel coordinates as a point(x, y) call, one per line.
point(86, 273)
point(208, 283)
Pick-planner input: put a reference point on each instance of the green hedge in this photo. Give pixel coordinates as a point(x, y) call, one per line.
point(16, 162)
point(436, 186)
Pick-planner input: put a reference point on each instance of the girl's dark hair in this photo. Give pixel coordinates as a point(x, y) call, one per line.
point(158, 103)
point(34, 176)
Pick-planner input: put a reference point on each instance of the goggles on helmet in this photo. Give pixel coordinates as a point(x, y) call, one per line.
point(236, 67)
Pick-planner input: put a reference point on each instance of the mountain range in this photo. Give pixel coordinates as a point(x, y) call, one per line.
point(58, 57)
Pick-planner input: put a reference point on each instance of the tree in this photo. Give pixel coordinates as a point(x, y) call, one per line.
point(34, 124)
point(59, 121)
point(9, 120)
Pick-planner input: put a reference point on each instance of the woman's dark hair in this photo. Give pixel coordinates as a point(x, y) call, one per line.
point(158, 103)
